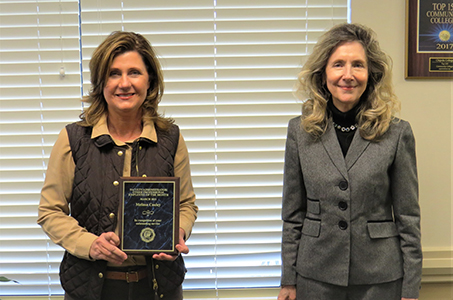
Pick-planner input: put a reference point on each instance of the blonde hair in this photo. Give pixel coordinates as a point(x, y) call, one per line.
point(119, 42)
point(378, 104)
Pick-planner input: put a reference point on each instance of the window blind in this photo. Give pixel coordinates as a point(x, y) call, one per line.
point(38, 40)
point(229, 70)
point(258, 52)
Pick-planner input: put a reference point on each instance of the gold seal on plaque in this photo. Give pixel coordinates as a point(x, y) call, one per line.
point(147, 235)
point(444, 35)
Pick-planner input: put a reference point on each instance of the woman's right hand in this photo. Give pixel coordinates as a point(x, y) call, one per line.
point(287, 292)
point(106, 247)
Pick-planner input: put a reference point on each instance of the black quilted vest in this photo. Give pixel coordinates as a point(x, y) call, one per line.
point(95, 195)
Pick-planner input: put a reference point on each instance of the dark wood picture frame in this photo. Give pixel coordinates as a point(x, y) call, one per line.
point(429, 39)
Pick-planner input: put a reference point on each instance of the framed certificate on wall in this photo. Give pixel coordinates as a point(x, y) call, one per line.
point(429, 39)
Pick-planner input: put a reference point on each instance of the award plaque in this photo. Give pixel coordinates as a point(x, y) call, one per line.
point(429, 35)
point(149, 215)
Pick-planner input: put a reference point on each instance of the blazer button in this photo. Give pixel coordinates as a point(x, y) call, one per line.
point(343, 185)
point(343, 225)
point(343, 205)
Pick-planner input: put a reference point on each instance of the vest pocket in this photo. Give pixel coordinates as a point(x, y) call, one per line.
point(379, 230)
point(311, 227)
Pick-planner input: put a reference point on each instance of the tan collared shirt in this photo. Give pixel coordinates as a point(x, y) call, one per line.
point(54, 206)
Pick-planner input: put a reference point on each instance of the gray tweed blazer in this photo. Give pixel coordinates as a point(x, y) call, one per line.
point(351, 220)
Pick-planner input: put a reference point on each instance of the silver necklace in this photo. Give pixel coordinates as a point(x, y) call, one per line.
point(345, 129)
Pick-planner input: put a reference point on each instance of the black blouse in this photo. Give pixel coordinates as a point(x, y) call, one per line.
point(344, 119)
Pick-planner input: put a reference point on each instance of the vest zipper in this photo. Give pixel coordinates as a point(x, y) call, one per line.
point(136, 158)
point(155, 285)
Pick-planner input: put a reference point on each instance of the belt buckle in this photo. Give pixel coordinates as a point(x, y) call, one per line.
point(131, 273)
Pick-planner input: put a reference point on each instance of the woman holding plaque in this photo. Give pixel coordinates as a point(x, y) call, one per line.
point(351, 219)
point(120, 134)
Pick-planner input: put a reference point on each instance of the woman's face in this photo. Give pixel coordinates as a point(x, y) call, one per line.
point(347, 75)
point(127, 84)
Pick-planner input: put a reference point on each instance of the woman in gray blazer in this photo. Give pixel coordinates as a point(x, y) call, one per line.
point(351, 219)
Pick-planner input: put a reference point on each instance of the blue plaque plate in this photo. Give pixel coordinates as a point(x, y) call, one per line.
point(149, 220)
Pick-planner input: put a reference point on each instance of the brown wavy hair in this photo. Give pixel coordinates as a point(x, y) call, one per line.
point(378, 103)
point(119, 42)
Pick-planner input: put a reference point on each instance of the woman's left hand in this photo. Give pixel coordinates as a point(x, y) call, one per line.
point(181, 248)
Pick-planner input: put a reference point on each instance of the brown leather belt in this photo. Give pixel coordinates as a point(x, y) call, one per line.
point(131, 276)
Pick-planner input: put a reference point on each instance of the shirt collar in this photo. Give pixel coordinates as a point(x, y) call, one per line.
point(101, 128)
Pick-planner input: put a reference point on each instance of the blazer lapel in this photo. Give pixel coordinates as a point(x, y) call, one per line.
point(357, 147)
point(332, 146)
